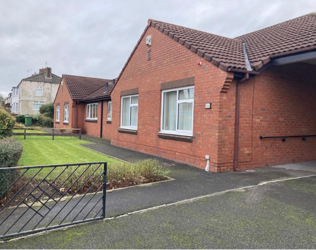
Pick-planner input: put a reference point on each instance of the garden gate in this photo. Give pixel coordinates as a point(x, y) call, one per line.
point(38, 198)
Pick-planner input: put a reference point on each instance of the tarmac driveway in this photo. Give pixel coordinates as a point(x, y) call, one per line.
point(276, 215)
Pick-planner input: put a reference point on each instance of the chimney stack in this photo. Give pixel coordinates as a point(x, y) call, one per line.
point(107, 87)
point(48, 72)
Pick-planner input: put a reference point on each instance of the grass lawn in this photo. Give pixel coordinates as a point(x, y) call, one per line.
point(42, 150)
point(29, 131)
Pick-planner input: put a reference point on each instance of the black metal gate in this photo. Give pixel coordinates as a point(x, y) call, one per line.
point(38, 198)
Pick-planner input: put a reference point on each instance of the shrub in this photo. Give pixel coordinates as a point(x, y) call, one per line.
point(10, 153)
point(118, 175)
point(6, 124)
point(47, 110)
point(45, 121)
point(35, 120)
point(20, 119)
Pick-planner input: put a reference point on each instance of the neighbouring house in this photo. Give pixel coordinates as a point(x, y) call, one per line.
point(213, 102)
point(14, 101)
point(34, 91)
point(79, 103)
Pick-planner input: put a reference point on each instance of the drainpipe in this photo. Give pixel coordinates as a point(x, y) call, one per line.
point(237, 113)
point(101, 120)
point(207, 168)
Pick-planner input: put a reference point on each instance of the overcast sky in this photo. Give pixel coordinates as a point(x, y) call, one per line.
point(95, 37)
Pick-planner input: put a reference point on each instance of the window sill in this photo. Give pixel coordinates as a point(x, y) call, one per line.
point(109, 122)
point(57, 122)
point(127, 131)
point(176, 137)
point(88, 120)
point(65, 123)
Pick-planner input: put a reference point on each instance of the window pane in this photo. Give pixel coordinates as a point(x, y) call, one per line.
point(135, 100)
point(134, 111)
point(185, 94)
point(96, 110)
point(169, 110)
point(185, 116)
point(109, 110)
point(125, 111)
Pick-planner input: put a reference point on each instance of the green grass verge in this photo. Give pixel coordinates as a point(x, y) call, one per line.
point(42, 150)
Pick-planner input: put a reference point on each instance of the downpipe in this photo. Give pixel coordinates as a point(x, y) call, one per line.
point(207, 168)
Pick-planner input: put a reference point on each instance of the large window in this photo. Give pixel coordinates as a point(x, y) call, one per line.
point(39, 91)
point(57, 113)
point(66, 112)
point(92, 110)
point(15, 107)
point(37, 104)
point(129, 112)
point(177, 111)
point(109, 116)
point(15, 91)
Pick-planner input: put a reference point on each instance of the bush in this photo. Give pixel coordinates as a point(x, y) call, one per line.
point(47, 110)
point(6, 124)
point(20, 119)
point(118, 175)
point(10, 153)
point(45, 121)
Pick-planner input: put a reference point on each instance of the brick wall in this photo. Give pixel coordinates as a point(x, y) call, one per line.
point(170, 61)
point(280, 101)
point(63, 97)
point(91, 127)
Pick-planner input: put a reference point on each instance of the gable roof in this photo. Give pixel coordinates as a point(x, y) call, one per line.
point(80, 87)
point(41, 78)
point(101, 93)
point(289, 37)
point(285, 38)
point(221, 51)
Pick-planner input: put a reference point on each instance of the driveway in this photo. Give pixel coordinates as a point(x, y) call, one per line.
point(276, 215)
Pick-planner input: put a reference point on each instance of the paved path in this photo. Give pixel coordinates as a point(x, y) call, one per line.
point(189, 182)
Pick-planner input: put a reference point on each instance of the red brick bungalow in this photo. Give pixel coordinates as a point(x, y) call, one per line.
point(209, 101)
point(199, 98)
point(79, 103)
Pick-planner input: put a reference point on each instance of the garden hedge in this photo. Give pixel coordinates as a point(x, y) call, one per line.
point(6, 124)
point(10, 153)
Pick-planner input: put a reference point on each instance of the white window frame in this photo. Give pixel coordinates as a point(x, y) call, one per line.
point(89, 112)
point(109, 118)
point(66, 111)
point(177, 131)
point(130, 106)
point(38, 102)
point(58, 113)
point(15, 91)
point(39, 88)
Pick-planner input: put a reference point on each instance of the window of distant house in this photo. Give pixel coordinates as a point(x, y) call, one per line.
point(37, 104)
point(66, 112)
point(15, 108)
point(92, 110)
point(129, 112)
point(39, 91)
point(15, 91)
point(57, 113)
point(109, 117)
point(177, 111)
